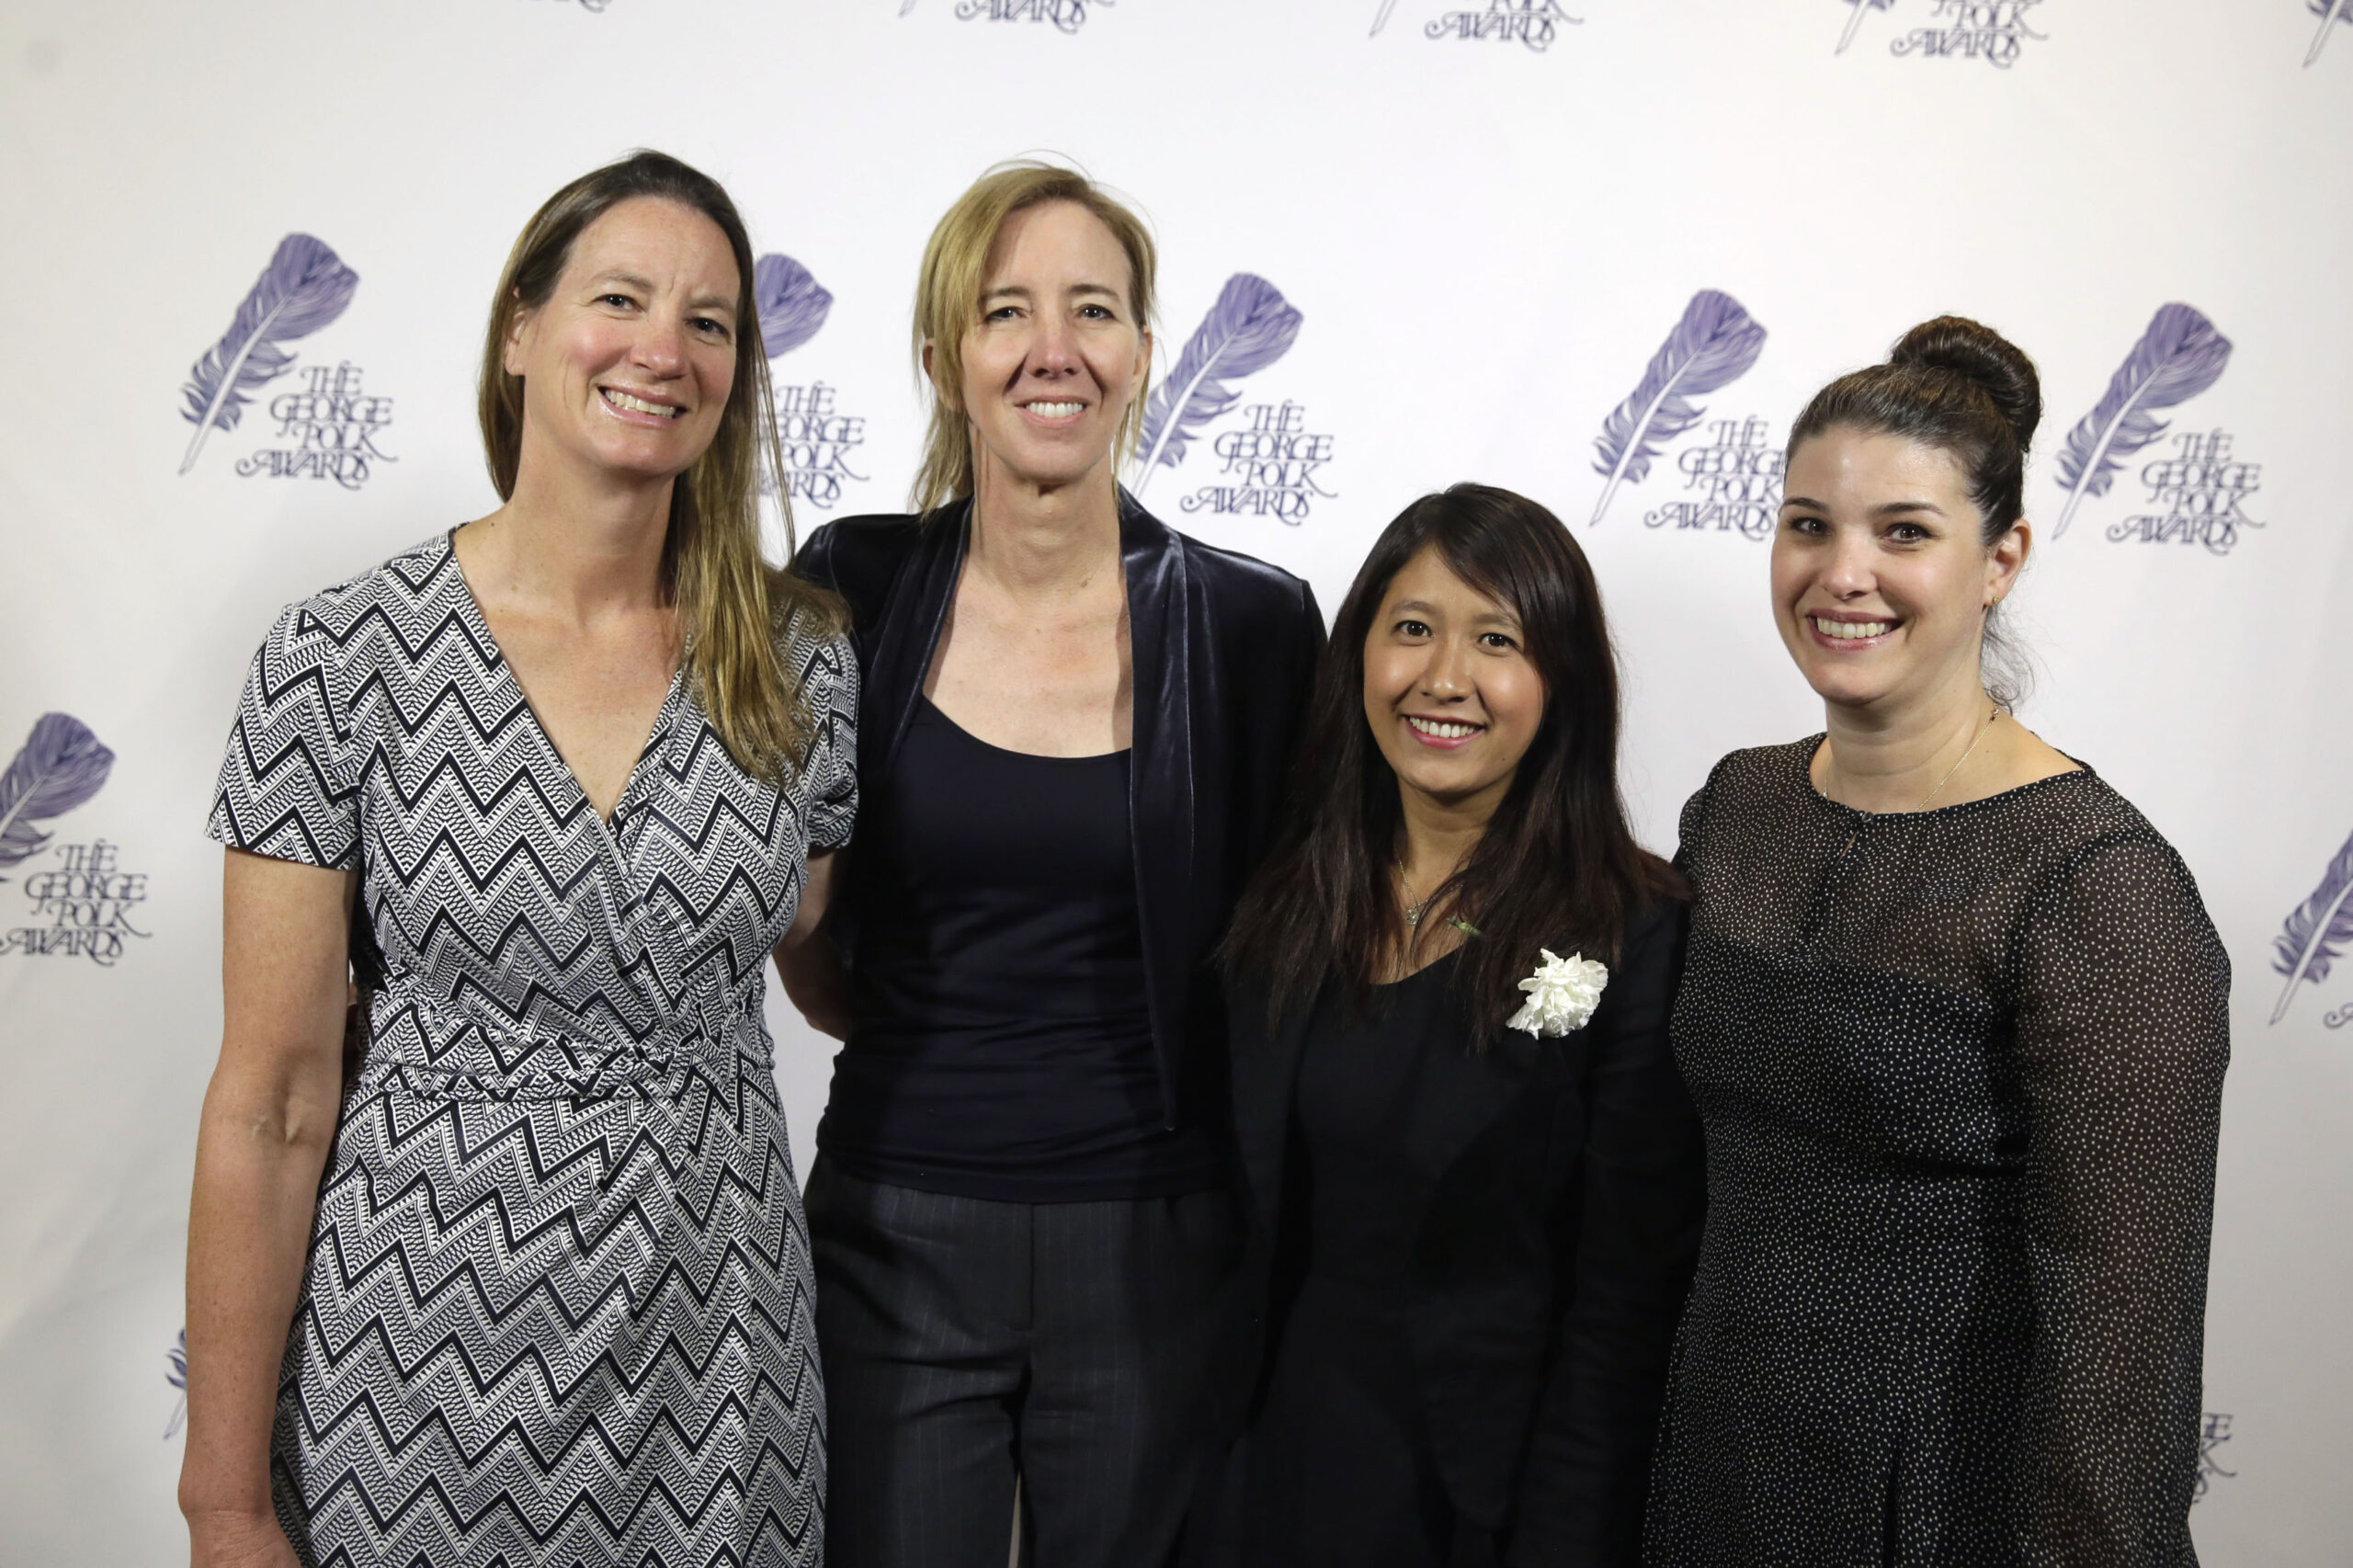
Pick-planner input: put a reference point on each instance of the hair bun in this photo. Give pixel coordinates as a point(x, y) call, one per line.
point(1977, 352)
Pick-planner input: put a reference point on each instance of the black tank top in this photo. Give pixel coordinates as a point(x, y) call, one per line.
point(999, 1042)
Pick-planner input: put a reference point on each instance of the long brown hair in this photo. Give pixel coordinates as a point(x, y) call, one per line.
point(731, 605)
point(948, 303)
point(1557, 866)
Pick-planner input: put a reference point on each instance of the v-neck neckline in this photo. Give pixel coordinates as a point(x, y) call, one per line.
point(479, 624)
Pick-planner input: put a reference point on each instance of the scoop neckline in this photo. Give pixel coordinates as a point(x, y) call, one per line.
point(1804, 751)
point(941, 714)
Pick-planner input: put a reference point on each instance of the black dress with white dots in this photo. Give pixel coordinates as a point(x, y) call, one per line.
point(1961, 1074)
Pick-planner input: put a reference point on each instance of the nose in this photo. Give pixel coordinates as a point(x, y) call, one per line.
point(1446, 673)
point(1055, 350)
point(1850, 571)
point(660, 349)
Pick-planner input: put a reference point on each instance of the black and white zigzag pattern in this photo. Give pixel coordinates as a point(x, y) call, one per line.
point(558, 1304)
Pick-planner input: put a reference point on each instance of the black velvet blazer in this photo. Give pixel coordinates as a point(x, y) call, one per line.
point(1560, 1190)
point(1223, 648)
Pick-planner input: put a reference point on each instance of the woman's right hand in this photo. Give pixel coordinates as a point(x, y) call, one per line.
point(239, 1540)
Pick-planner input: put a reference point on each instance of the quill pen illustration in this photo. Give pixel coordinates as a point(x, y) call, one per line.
point(1862, 8)
point(791, 304)
point(1381, 20)
point(60, 766)
point(178, 1377)
point(2180, 356)
point(1248, 329)
point(2316, 935)
point(304, 287)
point(1710, 348)
point(2330, 11)
point(905, 7)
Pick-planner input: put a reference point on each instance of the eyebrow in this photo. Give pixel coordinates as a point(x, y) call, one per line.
point(1489, 618)
point(1886, 509)
point(1019, 291)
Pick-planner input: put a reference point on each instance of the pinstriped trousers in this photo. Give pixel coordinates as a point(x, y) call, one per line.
point(968, 1342)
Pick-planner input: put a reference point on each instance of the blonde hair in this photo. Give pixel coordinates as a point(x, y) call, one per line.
point(731, 605)
point(948, 304)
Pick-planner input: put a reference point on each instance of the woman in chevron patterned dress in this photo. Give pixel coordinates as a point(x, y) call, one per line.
point(527, 1282)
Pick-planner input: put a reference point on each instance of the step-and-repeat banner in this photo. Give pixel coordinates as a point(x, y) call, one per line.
point(1599, 251)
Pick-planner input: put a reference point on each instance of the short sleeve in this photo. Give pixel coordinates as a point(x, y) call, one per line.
point(285, 788)
point(830, 680)
point(2123, 1033)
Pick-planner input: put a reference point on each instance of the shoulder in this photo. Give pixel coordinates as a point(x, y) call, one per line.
point(379, 610)
point(1242, 582)
point(2079, 828)
point(1754, 772)
point(860, 558)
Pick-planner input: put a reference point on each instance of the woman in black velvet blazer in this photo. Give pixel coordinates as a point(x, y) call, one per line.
point(1473, 1204)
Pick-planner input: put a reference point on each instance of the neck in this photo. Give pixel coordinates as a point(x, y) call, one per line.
point(1437, 835)
point(1898, 759)
point(1041, 542)
point(573, 545)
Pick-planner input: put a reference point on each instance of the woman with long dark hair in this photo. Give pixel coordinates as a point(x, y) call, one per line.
point(1075, 726)
point(1474, 1177)
point(526, 1280)
point(1956, 1021)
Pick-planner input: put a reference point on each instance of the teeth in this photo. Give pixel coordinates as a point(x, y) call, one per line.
point(1441, 728)
point(638, 405)
point(1056, 410)
point(1852, 631)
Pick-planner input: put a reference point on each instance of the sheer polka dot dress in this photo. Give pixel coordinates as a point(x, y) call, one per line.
point(1961, 1074)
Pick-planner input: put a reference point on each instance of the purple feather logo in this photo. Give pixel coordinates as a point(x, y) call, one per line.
point(791, 304)
point(177, 1359)
point(1710, 348)
point(1862, 9)
point(2180, 356)
point(60, 766)
point(2327, 11)
point(2316, 935)
point(305, 288)
point(1250, 327)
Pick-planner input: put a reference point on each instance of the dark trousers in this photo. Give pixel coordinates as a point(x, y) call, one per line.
point(967, 1343)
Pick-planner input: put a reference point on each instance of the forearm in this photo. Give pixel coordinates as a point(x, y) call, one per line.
point(259, 1154)
point(815, 984)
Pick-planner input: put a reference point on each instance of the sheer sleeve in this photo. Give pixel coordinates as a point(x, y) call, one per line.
point(2123, 1032)
point(287, 789)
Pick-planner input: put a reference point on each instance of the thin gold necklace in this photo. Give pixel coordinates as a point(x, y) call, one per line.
point(1992, 713)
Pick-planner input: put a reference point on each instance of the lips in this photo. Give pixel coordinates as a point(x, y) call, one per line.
point(1833, 632)
point(1443, 734)
point(630, 403)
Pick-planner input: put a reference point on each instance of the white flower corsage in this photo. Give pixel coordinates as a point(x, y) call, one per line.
point(1562, 994)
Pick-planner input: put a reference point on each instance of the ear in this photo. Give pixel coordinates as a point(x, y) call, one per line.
point(511, 353)
point(2006, 560)
point(932, 372)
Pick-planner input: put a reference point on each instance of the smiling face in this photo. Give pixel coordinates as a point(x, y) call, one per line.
point(1881, 577)
point(1057, 355)
point(628, 364)
point(1452, 697)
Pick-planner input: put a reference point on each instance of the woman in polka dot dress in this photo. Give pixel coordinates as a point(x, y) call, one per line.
point(1956, 1021)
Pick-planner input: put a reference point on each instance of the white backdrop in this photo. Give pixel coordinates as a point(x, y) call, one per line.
point(1490, 215)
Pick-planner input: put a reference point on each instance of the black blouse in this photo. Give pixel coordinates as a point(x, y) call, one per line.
point(1961, 1075)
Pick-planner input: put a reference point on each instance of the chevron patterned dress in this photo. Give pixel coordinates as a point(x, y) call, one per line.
point(557, 1309)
